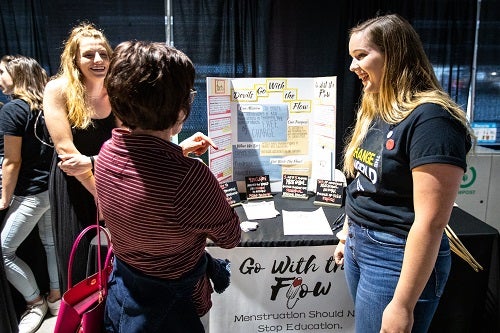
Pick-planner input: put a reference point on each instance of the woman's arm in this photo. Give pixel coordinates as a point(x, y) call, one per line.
point(56, 119)
point(435, 187)
point(10, 168)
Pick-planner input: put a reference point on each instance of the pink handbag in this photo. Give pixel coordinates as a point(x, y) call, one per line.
point(82, 305)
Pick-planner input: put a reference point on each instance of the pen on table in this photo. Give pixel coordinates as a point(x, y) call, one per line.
point(338, 222)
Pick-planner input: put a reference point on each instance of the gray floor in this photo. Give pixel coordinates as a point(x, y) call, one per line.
point(48, 325)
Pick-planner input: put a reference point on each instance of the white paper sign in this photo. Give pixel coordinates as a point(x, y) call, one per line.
point(282, 289)
point(260, 210)
point(306, 223)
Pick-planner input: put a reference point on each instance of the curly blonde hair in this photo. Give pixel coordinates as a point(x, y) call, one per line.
point(79, 112)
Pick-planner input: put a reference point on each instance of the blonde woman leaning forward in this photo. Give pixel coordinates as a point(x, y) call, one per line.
point(79, 120)
point(408, 155)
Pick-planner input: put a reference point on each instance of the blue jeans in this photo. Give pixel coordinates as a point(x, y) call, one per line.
point(373, 261)
point(23, 215)
point(140, 303)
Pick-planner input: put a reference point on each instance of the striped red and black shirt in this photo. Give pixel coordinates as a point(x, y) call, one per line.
point(160, 208)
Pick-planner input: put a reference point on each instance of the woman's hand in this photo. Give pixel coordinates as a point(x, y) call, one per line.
point(198, 144)
point(4, 204)
point(396, 318)
point(74, 164)
point(339, 253)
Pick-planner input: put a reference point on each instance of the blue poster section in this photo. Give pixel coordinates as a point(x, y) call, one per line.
point(248, 162)
point(262, 122)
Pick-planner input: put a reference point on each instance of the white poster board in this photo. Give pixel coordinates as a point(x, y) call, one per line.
point(282, 289)
point(272, 126)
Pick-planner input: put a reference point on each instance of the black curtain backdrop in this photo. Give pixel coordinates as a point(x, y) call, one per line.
point(487, 103)
point(38, 28)
point(120, 20)
point(23, 30)
point(223, 39)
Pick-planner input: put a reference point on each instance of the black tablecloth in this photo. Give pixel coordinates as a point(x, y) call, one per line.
point(270, 231)
point(470, 302)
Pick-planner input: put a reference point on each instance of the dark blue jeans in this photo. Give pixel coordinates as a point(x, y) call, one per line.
point(373, 261)
point(139, 303)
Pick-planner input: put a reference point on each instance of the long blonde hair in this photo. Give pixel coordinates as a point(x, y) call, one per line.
point(79, 112)
point(408, 81)
point(28, 78)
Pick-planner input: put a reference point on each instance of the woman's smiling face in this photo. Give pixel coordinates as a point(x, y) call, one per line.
point(92, 59)
point(367, 61)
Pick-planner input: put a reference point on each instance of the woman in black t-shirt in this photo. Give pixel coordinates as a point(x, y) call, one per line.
point(407, 157)
point(25, 174)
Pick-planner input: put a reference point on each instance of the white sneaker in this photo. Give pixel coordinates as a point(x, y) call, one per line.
point(32, 318)
point(54, 307)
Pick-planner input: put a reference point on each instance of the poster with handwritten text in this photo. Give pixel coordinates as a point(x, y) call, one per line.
point(269, 125)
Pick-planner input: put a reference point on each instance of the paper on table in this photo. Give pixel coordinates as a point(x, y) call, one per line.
point(306, 223)
point(247, 226)
point(260, 210)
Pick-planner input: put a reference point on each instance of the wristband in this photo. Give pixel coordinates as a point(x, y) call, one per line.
point(84, 179)
point(341, 236)
point(92, 160)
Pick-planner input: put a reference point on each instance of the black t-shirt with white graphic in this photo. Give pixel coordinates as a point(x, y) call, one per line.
point(381, 196)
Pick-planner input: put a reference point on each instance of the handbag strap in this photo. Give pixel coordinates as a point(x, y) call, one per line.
point(102, 283)
point(75, 246)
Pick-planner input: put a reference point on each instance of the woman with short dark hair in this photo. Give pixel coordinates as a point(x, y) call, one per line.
point(160, 206)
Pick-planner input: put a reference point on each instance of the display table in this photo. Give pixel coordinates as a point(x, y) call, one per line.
point(283, 283)
point(289, 283)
